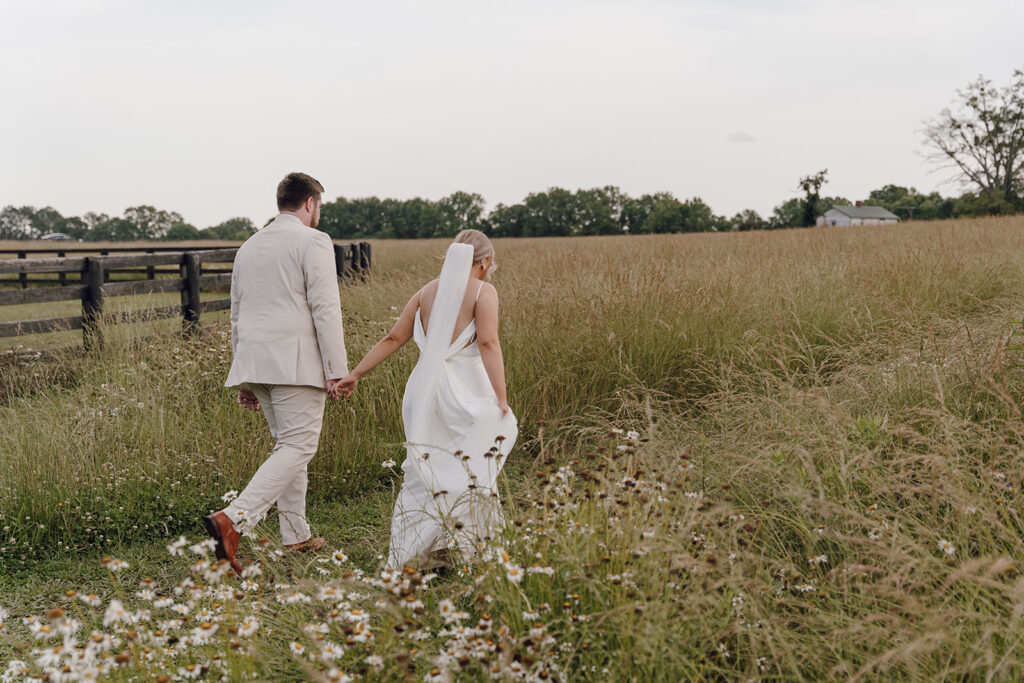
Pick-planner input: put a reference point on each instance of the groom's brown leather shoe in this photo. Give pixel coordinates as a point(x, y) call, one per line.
point(220, 528)
point(315, 543)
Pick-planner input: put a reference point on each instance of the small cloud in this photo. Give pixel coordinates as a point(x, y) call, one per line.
point(741, 137)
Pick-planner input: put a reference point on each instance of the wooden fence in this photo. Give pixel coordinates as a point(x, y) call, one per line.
point(352, 259)
point(83, 249)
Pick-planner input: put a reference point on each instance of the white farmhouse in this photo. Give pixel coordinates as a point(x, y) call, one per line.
point(857, 215)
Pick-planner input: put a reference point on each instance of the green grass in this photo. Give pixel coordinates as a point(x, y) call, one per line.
point(804, 394)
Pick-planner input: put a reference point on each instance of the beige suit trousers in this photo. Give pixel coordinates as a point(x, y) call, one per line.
point(295, 415)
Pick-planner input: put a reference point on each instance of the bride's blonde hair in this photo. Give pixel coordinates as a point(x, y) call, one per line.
point(482, 247)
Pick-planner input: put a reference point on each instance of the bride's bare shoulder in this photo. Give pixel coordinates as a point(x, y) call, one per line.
point(488, 289)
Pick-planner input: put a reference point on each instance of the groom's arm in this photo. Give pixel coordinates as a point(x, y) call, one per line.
point(324, 301)
point(234, 310)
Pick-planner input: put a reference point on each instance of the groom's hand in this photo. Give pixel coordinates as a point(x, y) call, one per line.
point(248, 400)
point(332, 388)
point(343, 387)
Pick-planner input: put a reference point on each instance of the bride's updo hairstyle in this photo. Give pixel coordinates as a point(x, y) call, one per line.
point(482, 247)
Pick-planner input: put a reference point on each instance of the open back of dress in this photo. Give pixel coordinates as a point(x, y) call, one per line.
point(456, 437)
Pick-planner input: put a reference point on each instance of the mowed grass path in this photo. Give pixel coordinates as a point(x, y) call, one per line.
point(827, 483)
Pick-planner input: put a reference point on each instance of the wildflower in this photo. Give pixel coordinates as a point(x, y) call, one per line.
point(113, 564)
point(970, 510)
point(40, 630)
point(298, 649)
point(388, 463)
point(339, 558)
point(249, 626)
point(435, 676)
point(447, 609)
point(376, 661)
point(176, 548)
point(946, 547)
point(252, 570)
point(190, 671)
point(229, 496)
point(202, 634)
point(115, 613)
point(317, 628)
point(819, 559)
point(337, 676)
point(161, 602)
point(50, 657)
point(514, 573)
point(330, 651)
point(91, 599)
point(146, 594)
point(203, 547)
point(535, 569)
point(293, 597)
point(723, 651)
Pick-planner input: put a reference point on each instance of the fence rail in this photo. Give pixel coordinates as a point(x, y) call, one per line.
point(27, 252)
point(352, 259)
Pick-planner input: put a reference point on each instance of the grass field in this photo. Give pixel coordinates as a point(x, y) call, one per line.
point(792, 455)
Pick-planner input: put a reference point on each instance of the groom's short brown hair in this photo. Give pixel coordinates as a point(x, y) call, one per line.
point(295, 189)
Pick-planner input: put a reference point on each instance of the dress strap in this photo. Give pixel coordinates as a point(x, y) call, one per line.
point(478, 291)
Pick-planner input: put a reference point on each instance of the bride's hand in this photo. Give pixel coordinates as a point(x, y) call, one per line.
point(344, 387)
point(503, 406)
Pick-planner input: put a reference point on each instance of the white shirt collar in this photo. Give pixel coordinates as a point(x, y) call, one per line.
point(288, 217)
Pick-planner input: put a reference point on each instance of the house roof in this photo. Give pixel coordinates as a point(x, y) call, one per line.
point(865, 212)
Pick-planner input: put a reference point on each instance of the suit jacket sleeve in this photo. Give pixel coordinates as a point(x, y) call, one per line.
point(324, 302)
point(235, 302)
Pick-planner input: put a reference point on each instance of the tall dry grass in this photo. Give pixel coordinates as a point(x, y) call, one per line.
point(825, 481)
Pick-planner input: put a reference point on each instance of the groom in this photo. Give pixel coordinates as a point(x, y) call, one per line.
point(289, 350)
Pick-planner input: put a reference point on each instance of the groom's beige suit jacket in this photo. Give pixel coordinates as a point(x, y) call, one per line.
point(285, 308)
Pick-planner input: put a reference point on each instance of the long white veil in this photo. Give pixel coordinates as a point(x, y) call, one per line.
point(420, 390)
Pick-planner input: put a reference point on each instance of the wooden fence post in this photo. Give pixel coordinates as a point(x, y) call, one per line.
point(150, 270)
point(191, 269)
point(342, 263)
point(62, 276)
point(24, 276)
point(354, 258)
point(364, 259)
point(92, 304)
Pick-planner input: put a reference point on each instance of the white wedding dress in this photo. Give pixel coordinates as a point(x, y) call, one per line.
point(456, 437)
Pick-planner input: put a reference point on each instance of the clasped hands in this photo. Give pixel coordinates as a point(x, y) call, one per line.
point(336, 388)
point(342, 388)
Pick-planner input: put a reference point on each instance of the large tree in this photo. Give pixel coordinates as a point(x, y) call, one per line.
point(811, 185)
point(150, 223)
point(982, 138)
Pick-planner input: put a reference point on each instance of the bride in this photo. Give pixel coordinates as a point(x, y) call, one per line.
point(458, 426)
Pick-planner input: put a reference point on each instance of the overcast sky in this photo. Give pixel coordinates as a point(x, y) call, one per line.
point(201, 107)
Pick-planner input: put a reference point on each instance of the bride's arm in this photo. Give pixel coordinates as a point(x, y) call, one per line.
point(490, 347)
point(391, 342)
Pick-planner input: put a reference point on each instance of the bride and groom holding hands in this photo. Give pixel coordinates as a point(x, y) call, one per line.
point(289, 356)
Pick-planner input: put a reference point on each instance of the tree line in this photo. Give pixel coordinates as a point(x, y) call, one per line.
point(137, 223)
point(555, 212)
point(980, 139)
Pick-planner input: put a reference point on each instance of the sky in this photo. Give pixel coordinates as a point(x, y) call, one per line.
point(201, 107)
